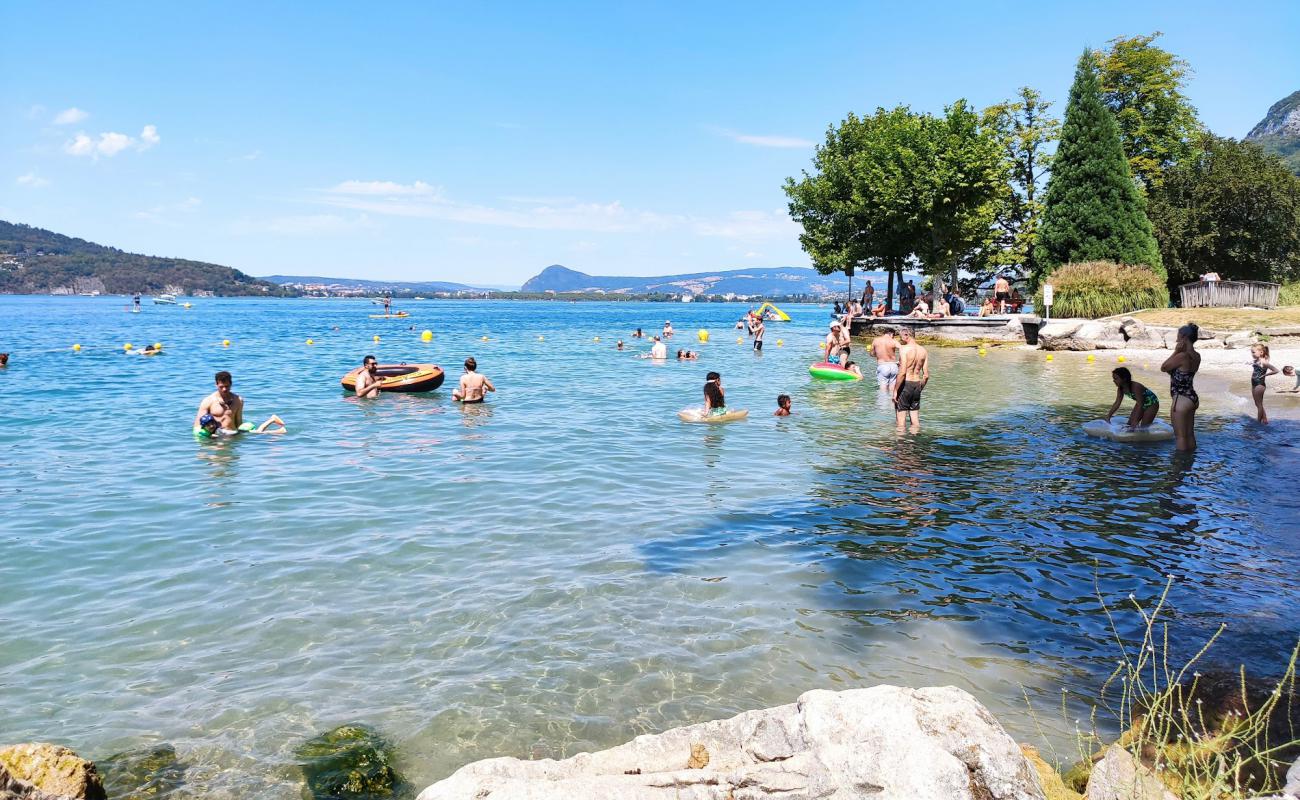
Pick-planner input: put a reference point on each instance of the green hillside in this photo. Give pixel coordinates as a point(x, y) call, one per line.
point(1279, 131)
point(36, 261)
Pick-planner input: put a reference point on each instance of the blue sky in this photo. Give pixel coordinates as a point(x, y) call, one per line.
point(480, 142)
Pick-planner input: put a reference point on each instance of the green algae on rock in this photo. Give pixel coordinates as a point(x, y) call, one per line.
point(148, 772)
point(54, 769)
point(351, 762)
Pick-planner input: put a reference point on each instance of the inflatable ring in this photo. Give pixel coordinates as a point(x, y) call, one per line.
point(698, 415)
point(1157, 431)
point(832, 372)
point(401, 378)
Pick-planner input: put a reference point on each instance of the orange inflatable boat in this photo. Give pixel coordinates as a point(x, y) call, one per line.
point(401, 378)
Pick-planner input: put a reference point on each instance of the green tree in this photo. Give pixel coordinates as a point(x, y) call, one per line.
point(1025, 129)
point(1231, 208)
point(1093, 210)
point(1142, 85)
point(898, 187)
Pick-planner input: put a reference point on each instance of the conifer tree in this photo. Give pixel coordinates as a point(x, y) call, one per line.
point(1094, 210)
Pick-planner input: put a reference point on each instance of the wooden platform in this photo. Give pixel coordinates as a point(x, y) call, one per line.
point(1004, 327)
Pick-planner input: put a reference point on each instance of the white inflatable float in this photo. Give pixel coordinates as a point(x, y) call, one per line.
point(697, 415)
point(1119, 431)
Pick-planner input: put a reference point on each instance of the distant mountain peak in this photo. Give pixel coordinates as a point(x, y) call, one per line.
point(1282, 119)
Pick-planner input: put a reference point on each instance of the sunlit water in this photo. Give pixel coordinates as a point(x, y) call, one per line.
point(569, 565)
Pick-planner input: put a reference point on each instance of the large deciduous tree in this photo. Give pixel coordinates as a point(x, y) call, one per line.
point(899, 187)
point(1230, 208)
point(1025, 129)
point(1142, 85)
point(1093, 210)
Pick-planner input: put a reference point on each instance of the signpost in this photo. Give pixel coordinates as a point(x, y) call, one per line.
point(1047, 299)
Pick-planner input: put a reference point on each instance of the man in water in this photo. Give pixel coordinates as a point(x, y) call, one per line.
point(4, 359)
point(885, 350)
point(658, 349)
point(668, 329)
point(913, 375)
point(759, 330)
point(388, 303)
point(1002, 293)
point(226, 407)
point(368, 378)
point(837, 344)
point(136, 299)
point(472, 384)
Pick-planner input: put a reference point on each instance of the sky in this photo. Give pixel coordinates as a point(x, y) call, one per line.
point(481, 142)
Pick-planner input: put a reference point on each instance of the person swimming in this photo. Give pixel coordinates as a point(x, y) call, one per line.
point(619, 346)
point(1145, 410)
point(782, 405)
point(715, 398)
point(472, 384)
point(853, 367)
point(687, 355)
point(209, 427)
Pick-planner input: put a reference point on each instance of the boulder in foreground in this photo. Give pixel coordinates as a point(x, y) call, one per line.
point(50, 769)
point(885, 743)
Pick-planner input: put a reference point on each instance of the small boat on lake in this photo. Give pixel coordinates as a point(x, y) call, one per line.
point(401, 378)
point(165, 300)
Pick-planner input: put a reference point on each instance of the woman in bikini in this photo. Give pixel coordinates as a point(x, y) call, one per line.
point(1260, 369)
point(1182, 367)
point(1145, 409)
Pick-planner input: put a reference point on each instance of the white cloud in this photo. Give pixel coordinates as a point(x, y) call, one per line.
point(253, 156)
point(763, 140)
point(383, 188)
point(31, 180)
point(305, 225)
point(111, 143)
point(149, 137)
point(81, 145)
point(750, 225)
point(70, 116)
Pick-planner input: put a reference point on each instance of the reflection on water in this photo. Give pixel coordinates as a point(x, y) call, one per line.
point(567, 565)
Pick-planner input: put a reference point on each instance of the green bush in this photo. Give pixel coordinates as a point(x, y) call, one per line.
point(1095, 289)
point(1290, 294)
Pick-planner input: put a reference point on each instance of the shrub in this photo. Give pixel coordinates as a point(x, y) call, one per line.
point(1102, 289)
point(1290, 294)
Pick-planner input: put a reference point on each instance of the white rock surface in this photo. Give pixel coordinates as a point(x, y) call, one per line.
point(1293, 780)
point(1118, 776)
point(884, 743)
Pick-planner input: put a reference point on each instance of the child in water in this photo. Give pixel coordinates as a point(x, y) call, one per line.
point(1290, 372)
point(782, 405)
point(687, 355)
point(1259, 370)
point(715, 399)
point(853, 367)
point(1145, 410)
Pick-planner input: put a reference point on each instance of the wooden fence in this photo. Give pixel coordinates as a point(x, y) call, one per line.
point(1229, 294)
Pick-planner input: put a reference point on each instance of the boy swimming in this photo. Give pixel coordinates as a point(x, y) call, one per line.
point(782, 405)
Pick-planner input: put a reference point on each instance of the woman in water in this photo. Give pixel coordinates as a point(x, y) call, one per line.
point(1145, 410)
point(715, 399)
point(1182, 367)
point(1259, 370)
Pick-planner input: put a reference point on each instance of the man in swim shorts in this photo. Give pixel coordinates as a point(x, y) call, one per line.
point(913, 375)
point(1002, 293)
point(472, 384)
point(226, 407)
point(368, 378)
point(759, 330)
point(885, 350)
point(837, 344)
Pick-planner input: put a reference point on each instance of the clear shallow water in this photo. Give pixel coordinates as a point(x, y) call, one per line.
point(569, 565)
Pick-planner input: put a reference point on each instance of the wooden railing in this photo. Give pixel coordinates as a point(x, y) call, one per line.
point(1229, 294)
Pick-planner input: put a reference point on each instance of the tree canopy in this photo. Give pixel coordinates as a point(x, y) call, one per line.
point(1093, 210)
point(1229, 207)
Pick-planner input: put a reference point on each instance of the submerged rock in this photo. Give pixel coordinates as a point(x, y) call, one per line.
point(1119, 776)
point(146, 773)
point(351, 762)
point(887, 743)
point(53, 769)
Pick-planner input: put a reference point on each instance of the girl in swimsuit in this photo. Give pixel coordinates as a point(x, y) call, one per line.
point(1259, 370)
point(1145, 410)
point(715, 400)
point(1182, 367)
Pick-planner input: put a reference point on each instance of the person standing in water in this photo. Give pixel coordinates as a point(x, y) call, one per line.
point(368, 378)
point(1182, 367)
point(472, 384)
point(1146, 406)
point(759, 330)
point(1259, 370)
point(885, 350)
point(658, 350)
point(913, 375)
point(226, 407)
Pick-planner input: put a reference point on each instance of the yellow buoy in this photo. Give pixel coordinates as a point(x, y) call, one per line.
point(595, 338)
point(982, 353)
point(157, 345)
point(483, 338)
point(127, 346)
point(309, 341)
point(541, 338)
point(376, 338)
point(740, 340)
point(225, 342)
point(1091, 357)
point(780, 342)
point(76, 347)
point(1050, 357)
point(1121, 359)
point(187, 305)
point(821, 345)
point(427, 336)
point(702, 334)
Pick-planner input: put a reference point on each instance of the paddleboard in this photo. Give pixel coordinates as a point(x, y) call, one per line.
point(398, 315)
point(698, 415)
point(1117, 430)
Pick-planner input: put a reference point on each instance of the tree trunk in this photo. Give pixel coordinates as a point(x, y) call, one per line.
point(889, 292)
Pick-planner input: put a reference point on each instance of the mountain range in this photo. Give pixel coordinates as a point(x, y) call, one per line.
point(1279, 131)
point(306, 282)
point(762, 281)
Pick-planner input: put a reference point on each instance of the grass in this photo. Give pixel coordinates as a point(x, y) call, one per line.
point(1205, 738)
point(1223, 318)
point(1093, 289)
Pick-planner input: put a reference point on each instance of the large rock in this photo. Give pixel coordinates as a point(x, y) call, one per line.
point(1293, 780)
point(351, 762)
point(140, 774)
point(1053, 784)
point(1138, 335)
point(1063, 336)
point(13, 789)
point(1119, 776)
point(886, 743)
point(53, 769)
